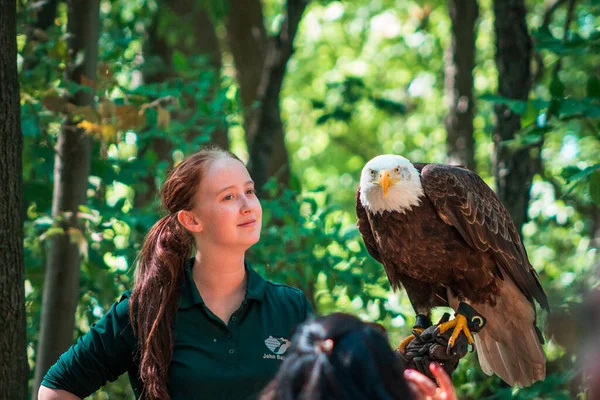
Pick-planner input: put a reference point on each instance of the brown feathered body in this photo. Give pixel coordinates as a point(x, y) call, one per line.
point(460, 244)
point(432, 253)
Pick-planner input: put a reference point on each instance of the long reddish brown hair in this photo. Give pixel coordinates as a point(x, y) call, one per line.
point(160, 269)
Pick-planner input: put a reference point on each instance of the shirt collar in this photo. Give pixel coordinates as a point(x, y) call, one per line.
point(257, 285)
point(190, 296)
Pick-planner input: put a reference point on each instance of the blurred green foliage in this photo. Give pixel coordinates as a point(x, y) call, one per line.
point(366, 78)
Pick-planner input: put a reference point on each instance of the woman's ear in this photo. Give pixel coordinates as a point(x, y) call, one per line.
point(189, 221)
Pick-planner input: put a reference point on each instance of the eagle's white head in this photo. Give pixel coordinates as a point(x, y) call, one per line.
point(390, 183)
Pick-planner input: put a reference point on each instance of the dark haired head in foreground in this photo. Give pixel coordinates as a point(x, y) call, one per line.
point(339, 357)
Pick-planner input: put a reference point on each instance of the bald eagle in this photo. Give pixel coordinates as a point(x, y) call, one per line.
point(442, 234)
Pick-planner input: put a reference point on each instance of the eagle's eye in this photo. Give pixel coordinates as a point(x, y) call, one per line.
point(397, 170)
point(372, 173)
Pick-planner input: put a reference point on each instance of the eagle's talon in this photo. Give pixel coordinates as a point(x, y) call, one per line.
point(459, 323)
point(416, 332)
point(402, 346)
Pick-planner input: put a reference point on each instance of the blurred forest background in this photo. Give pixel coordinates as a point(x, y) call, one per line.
point(114, 93)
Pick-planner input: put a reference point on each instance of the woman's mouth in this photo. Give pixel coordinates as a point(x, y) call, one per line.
point(248, 224)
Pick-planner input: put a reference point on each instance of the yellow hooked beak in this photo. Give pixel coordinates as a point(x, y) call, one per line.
point(384, 181)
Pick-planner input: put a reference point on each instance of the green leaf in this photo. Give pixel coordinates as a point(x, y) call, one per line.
point(39, 193)
point(592, 112)
point(530, 115)
point(585, 173)
point(104, 170)
point(530, 136)
point(576, 45)
point(593, 86)
point(568, 172)
point(120, 203)
point(338, 114)
point(585, 107)
point(594, 186)
point(517, 106)
point(29, 126)
point(389, 105)
point(180, 62)
point(323, 118)
point(318, 104)
point(557, 88)
point(539, 104)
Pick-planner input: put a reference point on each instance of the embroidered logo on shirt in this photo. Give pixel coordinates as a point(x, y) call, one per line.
point(278, 346)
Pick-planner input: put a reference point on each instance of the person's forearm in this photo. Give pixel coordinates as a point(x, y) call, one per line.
point(46, 393)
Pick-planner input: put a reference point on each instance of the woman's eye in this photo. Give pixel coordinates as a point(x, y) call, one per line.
point(228, 197)
point(251, 191)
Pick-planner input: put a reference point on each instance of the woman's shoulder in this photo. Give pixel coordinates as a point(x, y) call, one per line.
point(119, 311)
point(283, 288)
point(278, 297)
point(285, 292)
point(289, 296)
point(123, 301)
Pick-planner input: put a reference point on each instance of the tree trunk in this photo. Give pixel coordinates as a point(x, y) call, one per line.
point(208, 44)
point(46, 14)
point(157, 47)
point(513, 169)
point(14, 369)
point(260, 65)
point(460, 61)
point(268, 155)
point(248, 44)
point(205, 43)
point(71, 171)
point(45, 17)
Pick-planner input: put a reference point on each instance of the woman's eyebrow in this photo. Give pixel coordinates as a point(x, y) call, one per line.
point(233, 186)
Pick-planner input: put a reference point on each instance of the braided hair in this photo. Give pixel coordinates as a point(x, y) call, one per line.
point(339, 357)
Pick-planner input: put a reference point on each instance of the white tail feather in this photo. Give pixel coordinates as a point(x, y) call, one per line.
point(509, 345)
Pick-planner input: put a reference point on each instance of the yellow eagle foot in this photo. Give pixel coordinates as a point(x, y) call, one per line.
point(405, 342)
point(422, 322)
point(459, 323)
point(467, 320)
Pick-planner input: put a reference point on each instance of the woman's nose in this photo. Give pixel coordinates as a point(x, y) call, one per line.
point(246, 206)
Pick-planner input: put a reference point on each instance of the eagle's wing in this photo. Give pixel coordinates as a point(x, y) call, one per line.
point(422, 295)
point(364, 227)
point(462, 199)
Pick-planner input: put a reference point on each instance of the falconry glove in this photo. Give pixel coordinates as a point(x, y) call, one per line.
point(430, 346)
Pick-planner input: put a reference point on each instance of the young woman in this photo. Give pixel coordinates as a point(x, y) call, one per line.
point(340, 357)
point(204, 327)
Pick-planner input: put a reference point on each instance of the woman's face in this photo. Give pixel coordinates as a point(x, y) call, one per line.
point(227, 207)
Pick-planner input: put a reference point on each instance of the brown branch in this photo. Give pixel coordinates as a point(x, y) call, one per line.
point(568, 20)
point(247, 42)
point(268, 155)
point(513, 170)
point(548, 14)
point(538, 164)
point(458, 82)
point(590, 210)
point(365, 152)
point(559, 193)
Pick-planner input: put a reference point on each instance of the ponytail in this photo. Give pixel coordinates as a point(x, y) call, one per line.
point(160, 272)
point(154, 300)
point(339, 357)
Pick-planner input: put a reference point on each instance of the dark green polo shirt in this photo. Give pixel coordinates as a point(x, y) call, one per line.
point(211, 360)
